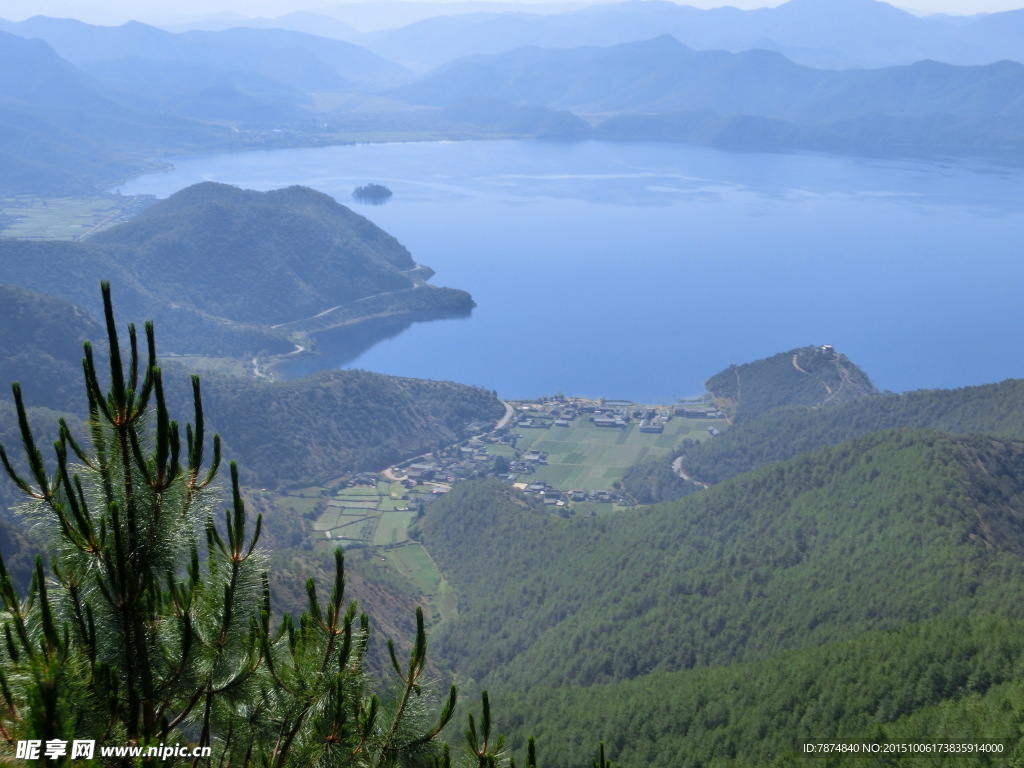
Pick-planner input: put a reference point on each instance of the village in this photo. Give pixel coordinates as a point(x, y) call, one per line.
point(563, 452)
point(516, 453)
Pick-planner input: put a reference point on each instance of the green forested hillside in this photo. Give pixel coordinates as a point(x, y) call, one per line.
point(954, 680)
point(808, 376)
point(319, 427)
point(654, 480)
point(41, 347)
point(864, 591)
point(992, 409)
point(259, 257)
point(283, 432)
point(218, 268)
point(301, 432)
point(894, 528)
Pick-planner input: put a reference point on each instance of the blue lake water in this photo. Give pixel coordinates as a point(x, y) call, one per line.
point(638, 270)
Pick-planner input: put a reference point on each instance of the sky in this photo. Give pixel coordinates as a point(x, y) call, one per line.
point(159, 11)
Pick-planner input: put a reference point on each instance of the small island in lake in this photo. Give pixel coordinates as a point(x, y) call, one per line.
point(377, 194)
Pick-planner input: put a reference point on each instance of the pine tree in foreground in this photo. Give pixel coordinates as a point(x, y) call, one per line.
point(153, 627)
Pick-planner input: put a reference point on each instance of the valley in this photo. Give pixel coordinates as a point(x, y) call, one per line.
point(555, 452)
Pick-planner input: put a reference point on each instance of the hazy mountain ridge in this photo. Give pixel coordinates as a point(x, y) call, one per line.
point(64, 133)
point(123, 97)
point(819, 33)
point(302, 60)
point(202, 91)
point(660, 90)
point(150, 93)
point(662, 75)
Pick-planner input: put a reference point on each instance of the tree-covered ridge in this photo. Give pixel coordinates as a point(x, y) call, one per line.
point(893, 528)
point(219, 268)
point(308, 430)
point(41, 343)
point(991, 409)
point(655, 480)
point(808, 376)
point(285, 432)
point(895, 686)
point(260, 257)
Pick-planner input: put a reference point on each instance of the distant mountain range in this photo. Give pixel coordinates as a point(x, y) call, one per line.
point(304, 61)
point(62, 131)
point(819, 33)
point(662, 76)
point(660, 90)
point(82, 106)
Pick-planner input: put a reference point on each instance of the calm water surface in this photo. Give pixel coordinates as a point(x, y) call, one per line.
point(638, 270)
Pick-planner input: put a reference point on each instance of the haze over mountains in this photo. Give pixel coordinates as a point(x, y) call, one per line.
point(820, 33)
point(85, 104)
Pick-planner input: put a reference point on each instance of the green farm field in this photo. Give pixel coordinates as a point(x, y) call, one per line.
point(412, 561)
point(589, 457)
point(393, 527)
point(62, 218)
point(362, 503)
point(368, 515)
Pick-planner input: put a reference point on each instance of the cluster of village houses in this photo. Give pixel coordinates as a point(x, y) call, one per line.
point(602, 413)
point(474, 460)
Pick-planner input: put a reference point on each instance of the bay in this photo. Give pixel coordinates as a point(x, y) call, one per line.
point(638, 270)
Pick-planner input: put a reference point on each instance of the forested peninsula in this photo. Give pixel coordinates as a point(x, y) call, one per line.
point(227, 272)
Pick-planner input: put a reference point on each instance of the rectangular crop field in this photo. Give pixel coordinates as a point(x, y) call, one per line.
point(393, 527)
point(413, 562)
point(589, 457)
point(349, 504)
point(359, 492)
point(64, 218)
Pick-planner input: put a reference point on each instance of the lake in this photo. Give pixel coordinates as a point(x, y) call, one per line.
point(639, 270)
